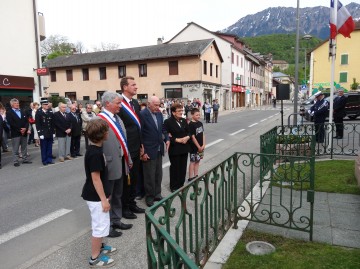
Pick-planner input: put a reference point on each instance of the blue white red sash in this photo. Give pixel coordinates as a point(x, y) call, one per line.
point(131, 112)
point(116, 127)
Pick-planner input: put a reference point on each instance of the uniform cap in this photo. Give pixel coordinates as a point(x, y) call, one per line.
point(318, 94)
point(44, 101)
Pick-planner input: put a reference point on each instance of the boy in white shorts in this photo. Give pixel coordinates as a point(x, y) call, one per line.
point(96, 192)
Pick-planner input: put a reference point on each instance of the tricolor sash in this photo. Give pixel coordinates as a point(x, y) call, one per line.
point(131, 112)
point(116, 127)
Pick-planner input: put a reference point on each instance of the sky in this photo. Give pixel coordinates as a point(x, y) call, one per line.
point(137, 23)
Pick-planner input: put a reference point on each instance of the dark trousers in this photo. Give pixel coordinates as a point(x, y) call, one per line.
point(116, 188)
point(178, 165)
point(75, 145)
point(46, 150)
point(215, 116)
point(339, 122)
point(153, 178)
point(31, 136)
point(140, 188)
point(319, 132)
point(86, 141)
point(129, 193)
point(207, 117)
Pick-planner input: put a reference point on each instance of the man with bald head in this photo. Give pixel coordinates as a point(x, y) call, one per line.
point(153, 138)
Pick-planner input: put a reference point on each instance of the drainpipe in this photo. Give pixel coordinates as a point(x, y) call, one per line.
point(37, 45)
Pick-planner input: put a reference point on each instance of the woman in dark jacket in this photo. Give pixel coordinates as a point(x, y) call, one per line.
point(178, 130)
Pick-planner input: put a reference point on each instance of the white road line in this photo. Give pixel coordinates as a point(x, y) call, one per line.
point(234, 133)
point(253, 124)
point(32, 225)
point(263, 120)
point(207, 146)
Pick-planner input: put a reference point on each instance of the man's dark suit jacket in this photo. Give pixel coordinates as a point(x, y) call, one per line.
point(76, 124)
point(61, 124)
point(17, 123)
point(152, 137)
point(339, 106)
point(176, 131)
point(133, 132)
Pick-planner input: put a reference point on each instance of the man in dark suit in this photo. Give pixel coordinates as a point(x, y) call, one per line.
point(339, 113)
point(63, 132)
point(153, 138)
point(19, 128)
point(45, 127)
point(129, 114)
point(76, 124)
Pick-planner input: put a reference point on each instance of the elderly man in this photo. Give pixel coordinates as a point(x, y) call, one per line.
point(117, 157)
point(76, 125)
point(86, 116)
point(62, 124)
point(339, 113)
point(153, 137)
point(320, 111)
point(19, 129)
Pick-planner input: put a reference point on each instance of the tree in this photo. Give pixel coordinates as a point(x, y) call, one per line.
point(56, 45)
point(55, 100)
point(355, 85)
point(80, 48)
point(106, 46)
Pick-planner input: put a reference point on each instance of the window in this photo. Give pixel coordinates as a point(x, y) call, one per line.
point(173, 68)
point(86, 97)
point(142, 70)
point(99, 94)
point(343, 77)
point(122, 71)
point(344, 59)
point(232, 58)
point(233, 77)
point(205, 67)
point(69, 75)
point(85, 72)
point(102, 73)
point(173, 93)
point(53, 76)
point(71, 95)
point(211, 69)
point(237, 60)
point(241, 62)
point(217, 71)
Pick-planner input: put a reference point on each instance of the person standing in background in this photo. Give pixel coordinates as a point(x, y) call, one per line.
point(339, 113)
point(76, 125)
point(86, 116)
point(215, 108)
point(45, 131)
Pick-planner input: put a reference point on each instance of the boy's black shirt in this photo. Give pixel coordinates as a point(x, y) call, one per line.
point(197, 129)
point(95, 162)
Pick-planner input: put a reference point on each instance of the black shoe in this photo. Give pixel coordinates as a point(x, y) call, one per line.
point(129, 215)
point(17, 164)
point(53, 156)
point(122, 226)
point(113, 233)
point(158, 198)
point(52, 162)
point(26, 161)
point(45, 164)
point(6, 150)
point(149, 203)
point(136, 209)
point(73, 156)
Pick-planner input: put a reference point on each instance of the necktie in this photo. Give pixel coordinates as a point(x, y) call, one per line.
point(131, 104)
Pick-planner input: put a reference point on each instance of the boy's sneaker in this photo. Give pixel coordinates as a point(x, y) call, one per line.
point(102, 261)
point(105, 249)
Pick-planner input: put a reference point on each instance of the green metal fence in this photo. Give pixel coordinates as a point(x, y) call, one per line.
point(183, 230)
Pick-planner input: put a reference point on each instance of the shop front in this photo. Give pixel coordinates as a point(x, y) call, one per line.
point(238, 96)
point(17, 87)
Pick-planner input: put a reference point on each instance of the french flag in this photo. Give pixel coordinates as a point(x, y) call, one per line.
point(343, 23)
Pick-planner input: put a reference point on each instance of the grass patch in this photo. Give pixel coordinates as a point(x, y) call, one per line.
point(335, 176)
point(291, 254)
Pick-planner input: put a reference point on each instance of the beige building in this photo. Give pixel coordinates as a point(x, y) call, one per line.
point(177, 70)
point(347, 62)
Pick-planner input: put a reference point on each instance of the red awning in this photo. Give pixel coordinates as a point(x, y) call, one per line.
point(237, 88)
point(15, 82)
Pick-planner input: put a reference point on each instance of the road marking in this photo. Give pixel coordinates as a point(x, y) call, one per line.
point(207, 146)
point(32, 225)
point(234, 133)
point(263, 120)
point(253, 124)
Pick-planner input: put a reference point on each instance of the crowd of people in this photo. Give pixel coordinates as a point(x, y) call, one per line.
point(125, 141)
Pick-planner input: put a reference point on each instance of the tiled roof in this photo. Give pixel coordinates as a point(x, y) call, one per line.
point(181, 49)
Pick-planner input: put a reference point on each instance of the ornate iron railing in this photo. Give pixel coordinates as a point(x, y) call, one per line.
point(349, 145)
point(183, 230)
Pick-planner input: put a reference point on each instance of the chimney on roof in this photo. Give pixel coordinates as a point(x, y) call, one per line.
point(160, 41)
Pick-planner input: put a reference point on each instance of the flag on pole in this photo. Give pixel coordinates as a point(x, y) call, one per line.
point(340, 21)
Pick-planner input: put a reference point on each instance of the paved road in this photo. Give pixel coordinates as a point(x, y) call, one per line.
point(42, 212)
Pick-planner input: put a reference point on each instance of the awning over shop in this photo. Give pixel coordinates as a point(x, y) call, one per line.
point(16, 83)
point(237, 88)
point(14, 92)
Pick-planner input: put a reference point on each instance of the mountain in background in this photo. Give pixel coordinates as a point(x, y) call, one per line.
point(282, 20)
